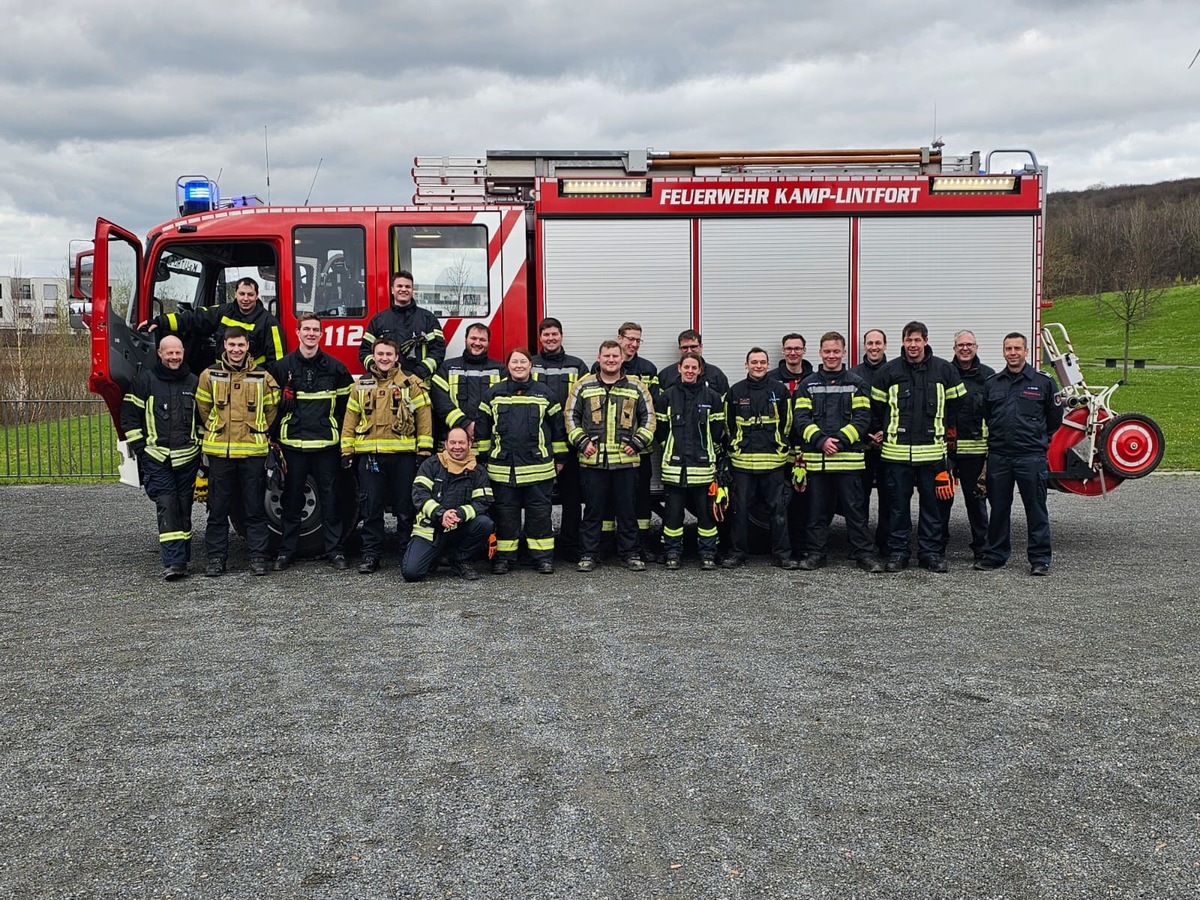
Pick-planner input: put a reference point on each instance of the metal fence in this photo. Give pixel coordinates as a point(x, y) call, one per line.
point(53, 440)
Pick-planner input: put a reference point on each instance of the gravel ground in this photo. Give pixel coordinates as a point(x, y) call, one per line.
point(737, 734)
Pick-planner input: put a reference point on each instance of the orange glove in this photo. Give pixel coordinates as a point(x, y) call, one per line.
point(944, 484)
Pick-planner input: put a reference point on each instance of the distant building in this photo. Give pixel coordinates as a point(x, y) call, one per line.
point(33, 303)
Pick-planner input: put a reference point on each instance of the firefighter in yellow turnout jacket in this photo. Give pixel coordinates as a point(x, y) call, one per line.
point(832, 417)
point(388, 429)
point(609, 421)
point(520, 429)
point(237, 403)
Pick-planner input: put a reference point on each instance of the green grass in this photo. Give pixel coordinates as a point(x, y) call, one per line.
point(1168, 336)
point(78, 448)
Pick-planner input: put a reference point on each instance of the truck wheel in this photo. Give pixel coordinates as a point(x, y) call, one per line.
point(1131, 445)
point(312, 528)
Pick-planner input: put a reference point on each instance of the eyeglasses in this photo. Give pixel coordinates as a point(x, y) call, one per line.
point(689, 346)
point(963, 346)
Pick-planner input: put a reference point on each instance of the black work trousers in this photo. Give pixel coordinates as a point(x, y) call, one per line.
point(242, 478)
point(571, 498)
point(323, 466)
point(1030, 474)
point(172, 489)
point(773, 489)
point(967, 470)
point(903, 478)
point(508, 502)
point(830, 491)
point(385, 479)
point(617, 487)
point(464, 541)
point(874, 478)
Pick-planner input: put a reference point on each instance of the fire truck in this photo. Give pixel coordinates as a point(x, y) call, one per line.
point(742, 246)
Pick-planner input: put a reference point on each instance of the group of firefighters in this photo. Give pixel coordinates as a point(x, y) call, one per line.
point(468, 448)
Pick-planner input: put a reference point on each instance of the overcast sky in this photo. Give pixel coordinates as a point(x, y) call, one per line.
point(105, 104)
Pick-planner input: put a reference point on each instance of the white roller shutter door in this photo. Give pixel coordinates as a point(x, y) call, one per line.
point(597, 274)
point(951, 273)
point(763, 278)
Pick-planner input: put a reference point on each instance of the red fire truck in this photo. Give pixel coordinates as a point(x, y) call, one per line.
point(744, 247)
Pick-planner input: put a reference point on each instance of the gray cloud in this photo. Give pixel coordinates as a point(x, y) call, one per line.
point(106, 104)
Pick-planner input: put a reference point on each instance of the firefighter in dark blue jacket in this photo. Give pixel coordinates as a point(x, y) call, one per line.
point(832, 416)
point(914, 399)
point(691, 425)
point(1021, 415)
point(415, 330)
point(559, 371)
point(158, 418)
point(316, 387)
point(967, 441)
point(452, 496)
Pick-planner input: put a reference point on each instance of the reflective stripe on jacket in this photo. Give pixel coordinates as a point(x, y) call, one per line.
point(832, 405)
point(389, 413)
point(236, 407)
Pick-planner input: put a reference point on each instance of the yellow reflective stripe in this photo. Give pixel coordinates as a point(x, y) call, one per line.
point(230, 322)
point(913, 453)
point(172, 321)
point(168, 536)
point(277, 339)
point(135, 400)
point(860, 402)
point(539, 543)
point(672, 532)
point(851, 433)
point(507, 546)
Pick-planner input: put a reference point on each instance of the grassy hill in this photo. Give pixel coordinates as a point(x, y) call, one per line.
point(1168, 337)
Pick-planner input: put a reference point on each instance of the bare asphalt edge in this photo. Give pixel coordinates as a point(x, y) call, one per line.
point(735, 734)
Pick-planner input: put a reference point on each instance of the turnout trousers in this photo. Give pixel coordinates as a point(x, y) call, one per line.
point(240, 481)
point(678, 498)
point(1030, 474)
point(172, 489)
point(602, 487)
point(323, 466)
point(902, 479)
point(509, 500)
point(967, 470)
point(774, 490)
point(830, 491)
point(385, 479)
point(464, 542)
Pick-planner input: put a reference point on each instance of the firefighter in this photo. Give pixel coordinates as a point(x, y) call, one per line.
point(637, 368)
point(793, 368)
point(832, 416)
point(245, 311)
point(460, 383)
point(874, 356)
point(452, 498)
point(415, 330)
point(559, 371)
point(521, 432)
point(316, 387)
point(913, 397)
point(691, 342)
point(758, 421)
point(1021, 416)
point(237, 402)
point(691, 424)
point(610, 422)
point(158, 416)
point(967, 440)
point(388, 429)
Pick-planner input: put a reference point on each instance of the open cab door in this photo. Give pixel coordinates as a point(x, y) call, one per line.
point(118, 349)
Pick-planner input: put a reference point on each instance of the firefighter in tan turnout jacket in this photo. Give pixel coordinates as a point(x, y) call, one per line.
point(237, 403)
point(387, 431)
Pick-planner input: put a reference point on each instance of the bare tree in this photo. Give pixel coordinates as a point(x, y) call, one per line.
point(1138, 232)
